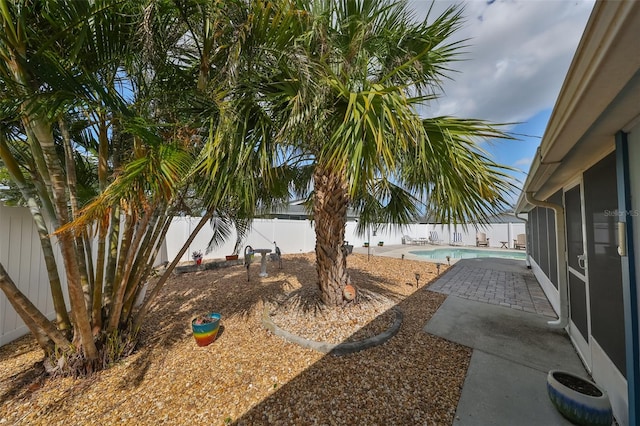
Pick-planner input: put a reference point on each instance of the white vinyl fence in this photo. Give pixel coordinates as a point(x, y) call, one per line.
point(21, 255)
point(298, 236)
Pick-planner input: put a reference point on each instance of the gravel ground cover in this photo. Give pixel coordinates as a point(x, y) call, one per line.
point(249, 376)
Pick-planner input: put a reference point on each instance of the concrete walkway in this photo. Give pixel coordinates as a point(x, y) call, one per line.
point(496, 307)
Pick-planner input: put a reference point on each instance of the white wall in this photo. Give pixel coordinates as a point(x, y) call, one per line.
point(298, 236)
point(496, 233)
point(292, 236)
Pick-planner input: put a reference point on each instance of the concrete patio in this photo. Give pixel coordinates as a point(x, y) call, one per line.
point(496, 307)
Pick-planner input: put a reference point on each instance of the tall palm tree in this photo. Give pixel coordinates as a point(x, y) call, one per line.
point(77, 92)
point(334, 90)
point(318, 97)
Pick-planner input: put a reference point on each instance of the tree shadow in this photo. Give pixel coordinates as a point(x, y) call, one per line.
point(228, 292)
point(28, 379)
point(413, 378)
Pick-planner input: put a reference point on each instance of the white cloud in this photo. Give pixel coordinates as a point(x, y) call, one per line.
point(523, 162)
point(519, 52)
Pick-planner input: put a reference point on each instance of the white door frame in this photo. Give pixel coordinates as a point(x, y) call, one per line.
point(582, 343)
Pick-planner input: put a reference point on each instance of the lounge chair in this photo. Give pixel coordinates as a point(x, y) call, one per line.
point(434, 238)
point(409, 240)
point(520, 242)
point(457, 239)
point(482, 240)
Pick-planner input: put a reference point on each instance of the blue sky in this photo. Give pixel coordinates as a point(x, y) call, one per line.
point(517, 57)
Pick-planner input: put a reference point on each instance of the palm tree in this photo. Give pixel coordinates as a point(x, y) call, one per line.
point(38, 87)
point(317, 98)
point(334, 90)
point(77, 94)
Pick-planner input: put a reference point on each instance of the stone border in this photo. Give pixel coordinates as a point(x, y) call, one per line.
point(337, 349)
point(206, 266)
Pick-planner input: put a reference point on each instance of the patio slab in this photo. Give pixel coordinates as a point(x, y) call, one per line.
point(513, 351)
point(501, 392)
point(518, 336)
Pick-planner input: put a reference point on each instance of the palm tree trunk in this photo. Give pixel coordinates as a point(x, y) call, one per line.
point(73, 203)
point(103, 152)
point(116, 212)
point(55, 285)
point(43, 183)
point(112, 255)
point(88, 254)
point(125, 243)
point(96, 309)
point(103, 226)
point(82, 325)
point(329, 214)
point(144, 261)
point(130, 256)
point(14, 50)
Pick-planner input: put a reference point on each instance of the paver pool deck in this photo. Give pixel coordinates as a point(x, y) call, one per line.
point(497, 307)
point(500, 282)
point(504, 282)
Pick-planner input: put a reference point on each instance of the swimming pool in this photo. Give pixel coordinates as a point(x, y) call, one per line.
point(467, 253)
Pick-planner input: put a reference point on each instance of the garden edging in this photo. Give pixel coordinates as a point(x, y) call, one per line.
point(337, 349)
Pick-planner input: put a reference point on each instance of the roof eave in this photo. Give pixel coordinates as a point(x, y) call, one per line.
point(601, 69)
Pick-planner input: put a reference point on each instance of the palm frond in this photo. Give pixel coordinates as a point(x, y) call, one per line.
point(460, 182)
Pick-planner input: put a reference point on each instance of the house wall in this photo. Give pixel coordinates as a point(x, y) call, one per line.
point(543, 251)
point(606, 305)
point(605, 269)
point(542, 246)
point(633, 218)
point(596, 303)
point(634, 214)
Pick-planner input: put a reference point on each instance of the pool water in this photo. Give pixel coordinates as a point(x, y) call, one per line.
point(467, 253)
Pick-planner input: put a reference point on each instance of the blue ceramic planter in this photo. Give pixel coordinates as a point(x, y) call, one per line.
point(579, 400)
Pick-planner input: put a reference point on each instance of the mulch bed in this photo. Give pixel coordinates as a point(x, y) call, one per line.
point(249, 376)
